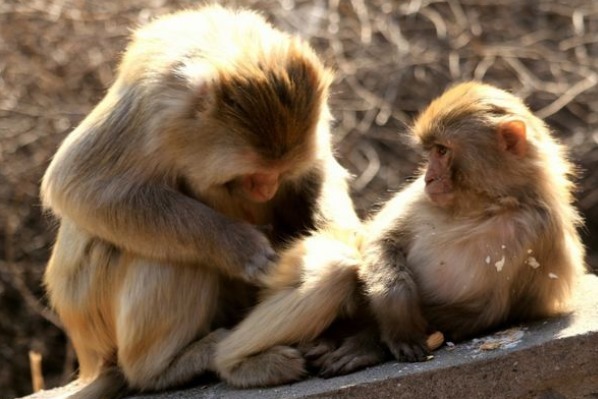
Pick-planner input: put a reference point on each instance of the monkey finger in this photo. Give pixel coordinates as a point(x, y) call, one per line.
point(354, 353)
point(259, 265)
point(351, 363)
point(409, 352)
point(333, 365)
point(315, 350)
point(321, 362)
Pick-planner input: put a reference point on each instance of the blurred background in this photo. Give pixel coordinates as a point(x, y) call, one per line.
point(57, 57)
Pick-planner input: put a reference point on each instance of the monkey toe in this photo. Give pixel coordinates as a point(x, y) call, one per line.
point(409, 352)
point(278, 365)
point(314, 351)
point(349, 364)
point(354, 354)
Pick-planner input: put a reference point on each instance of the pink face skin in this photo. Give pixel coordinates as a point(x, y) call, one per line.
point(260, 187)
point(439, 186)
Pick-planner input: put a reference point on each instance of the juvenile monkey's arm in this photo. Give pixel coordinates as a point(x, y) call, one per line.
point(390, 286)
point(394, 300)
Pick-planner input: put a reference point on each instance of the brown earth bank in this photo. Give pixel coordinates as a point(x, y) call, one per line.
point(57, 58)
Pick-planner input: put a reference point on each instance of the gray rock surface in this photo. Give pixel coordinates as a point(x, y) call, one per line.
point(552, 359)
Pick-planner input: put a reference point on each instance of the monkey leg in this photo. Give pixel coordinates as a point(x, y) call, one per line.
point(77, 259)
point(254, 353)
point(163, 311)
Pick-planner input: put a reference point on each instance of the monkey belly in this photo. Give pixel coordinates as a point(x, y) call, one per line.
point(450, 274)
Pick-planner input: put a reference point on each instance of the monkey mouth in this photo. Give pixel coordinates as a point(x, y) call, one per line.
point(438, 185)
point(430, 180)
point(441, 198)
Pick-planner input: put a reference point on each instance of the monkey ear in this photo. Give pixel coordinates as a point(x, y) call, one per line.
point(512, 137)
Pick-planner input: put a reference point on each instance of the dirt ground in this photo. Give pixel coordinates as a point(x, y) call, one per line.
point(57, 57)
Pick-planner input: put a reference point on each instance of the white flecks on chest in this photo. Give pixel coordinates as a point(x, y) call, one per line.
point(461, 263)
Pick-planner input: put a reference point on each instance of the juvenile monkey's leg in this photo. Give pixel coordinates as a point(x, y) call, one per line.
point(163, 322)
point(254, 353)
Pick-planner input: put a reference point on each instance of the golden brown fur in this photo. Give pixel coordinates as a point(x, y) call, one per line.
point(209, 152)
point(499, 245)
point(486, 235)
point(314, 283)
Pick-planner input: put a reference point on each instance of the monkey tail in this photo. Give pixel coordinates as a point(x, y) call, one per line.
point(110, 384)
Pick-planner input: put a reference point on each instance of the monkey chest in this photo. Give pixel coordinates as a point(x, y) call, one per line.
point(449, 268)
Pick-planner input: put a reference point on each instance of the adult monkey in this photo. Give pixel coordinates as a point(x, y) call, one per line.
point(209, 152)
point(487, 235)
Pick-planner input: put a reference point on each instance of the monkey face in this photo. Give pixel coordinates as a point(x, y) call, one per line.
point(439, 185)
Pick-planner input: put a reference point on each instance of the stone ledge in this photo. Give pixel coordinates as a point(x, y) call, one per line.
point(553, 359)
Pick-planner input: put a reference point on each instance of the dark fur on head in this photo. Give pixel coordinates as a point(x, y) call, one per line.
point(276, 100)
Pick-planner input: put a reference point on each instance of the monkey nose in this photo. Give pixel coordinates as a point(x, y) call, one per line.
point(263, 186)
point(264, 179)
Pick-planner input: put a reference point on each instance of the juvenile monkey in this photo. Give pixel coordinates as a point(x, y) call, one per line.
point(486, 235)
point(210, 152)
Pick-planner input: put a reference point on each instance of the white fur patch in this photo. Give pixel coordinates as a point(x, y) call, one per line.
point(532, 262)
point(500, 264)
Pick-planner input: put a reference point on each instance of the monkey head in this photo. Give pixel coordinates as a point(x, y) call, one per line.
point(259, 118)
point(477, 145)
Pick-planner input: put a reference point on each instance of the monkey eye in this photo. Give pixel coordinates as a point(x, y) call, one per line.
point(440, 149)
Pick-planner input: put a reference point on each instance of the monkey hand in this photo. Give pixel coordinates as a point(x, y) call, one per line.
point(415, 350)
point(252, 253)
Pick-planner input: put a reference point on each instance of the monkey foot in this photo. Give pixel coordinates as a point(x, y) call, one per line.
point(354, 353)
point(276, 366)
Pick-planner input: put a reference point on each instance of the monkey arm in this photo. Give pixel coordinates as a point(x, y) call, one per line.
point(389, 282)
point(394, 300)
point(156, 221)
